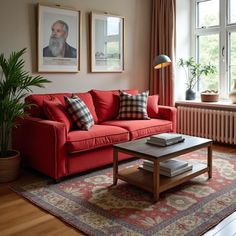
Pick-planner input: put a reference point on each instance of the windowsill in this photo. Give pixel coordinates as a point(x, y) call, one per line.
point(222, 104)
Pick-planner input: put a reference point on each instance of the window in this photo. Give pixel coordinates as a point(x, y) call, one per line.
point(214, 30)
point(232, 11)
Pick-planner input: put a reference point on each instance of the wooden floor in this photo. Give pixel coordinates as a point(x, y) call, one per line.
point(19, 217)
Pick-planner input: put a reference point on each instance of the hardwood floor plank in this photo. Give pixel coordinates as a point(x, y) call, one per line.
point(226, 225)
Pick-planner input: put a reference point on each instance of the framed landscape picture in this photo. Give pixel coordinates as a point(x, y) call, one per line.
point(58, 39)
point(107, 43)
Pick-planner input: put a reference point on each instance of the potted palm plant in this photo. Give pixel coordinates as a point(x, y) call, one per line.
point(15, 83)
point(194, 72)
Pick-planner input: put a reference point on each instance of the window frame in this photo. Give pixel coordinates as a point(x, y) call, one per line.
point(223, 29)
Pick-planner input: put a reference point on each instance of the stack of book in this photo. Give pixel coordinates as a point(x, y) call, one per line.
point(165, 139)
point(168, 168)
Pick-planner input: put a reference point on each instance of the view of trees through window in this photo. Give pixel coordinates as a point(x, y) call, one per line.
point(209, 47)
point(208, 13)
point(209, 52)
point(232, 65)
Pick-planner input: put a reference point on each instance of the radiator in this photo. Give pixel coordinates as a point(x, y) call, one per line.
point(218, 125)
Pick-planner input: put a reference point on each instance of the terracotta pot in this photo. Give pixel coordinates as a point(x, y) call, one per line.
point(232, 94)
point(209, 97)
point(9, 166)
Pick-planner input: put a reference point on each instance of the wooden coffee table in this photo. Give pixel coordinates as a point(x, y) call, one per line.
point(154, 182)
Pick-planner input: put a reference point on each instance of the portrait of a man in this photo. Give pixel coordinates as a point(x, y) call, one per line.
point(58, 47)
point(58, 39)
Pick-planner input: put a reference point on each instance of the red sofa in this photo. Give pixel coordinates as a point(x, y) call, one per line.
point(48, 147)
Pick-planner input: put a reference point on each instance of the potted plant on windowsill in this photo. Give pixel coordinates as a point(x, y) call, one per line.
point(15, 83)
point(194, 72)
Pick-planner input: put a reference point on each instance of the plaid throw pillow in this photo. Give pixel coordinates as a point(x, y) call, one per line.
point(79, 112)
point(133, 106)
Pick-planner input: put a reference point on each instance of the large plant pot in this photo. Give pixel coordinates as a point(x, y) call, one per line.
point(190, 94)
point(9, 166)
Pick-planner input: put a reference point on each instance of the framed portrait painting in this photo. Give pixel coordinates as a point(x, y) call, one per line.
point(107, 43)
point(58, 39)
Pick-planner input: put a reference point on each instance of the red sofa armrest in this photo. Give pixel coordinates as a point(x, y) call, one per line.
point(168, 113)
point(42, 145)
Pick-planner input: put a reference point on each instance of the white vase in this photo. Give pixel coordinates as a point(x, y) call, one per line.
point(232, 94)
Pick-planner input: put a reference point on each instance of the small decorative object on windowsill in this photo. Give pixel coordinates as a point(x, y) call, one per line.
point(232, 94)
point(190, 94)
point(193, 72)
point(210, 96)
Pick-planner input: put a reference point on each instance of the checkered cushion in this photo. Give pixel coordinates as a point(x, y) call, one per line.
point(133, 107)
point(79, 112)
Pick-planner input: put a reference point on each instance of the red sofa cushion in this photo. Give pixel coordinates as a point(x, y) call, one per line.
point(37, 99)
point(97, 136)
point(54, 110)
point(152, 106)
point(107, 103)
point(142, 128)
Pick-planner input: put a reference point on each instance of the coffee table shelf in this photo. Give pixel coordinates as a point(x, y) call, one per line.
point(153, 181)
point(144, 179)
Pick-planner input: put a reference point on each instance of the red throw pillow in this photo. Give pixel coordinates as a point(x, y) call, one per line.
point(152, 106)
point(54, 110)
point(107, 103)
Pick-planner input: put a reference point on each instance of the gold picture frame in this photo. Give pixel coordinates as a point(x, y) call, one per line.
point(107, 42)
point(58, 39)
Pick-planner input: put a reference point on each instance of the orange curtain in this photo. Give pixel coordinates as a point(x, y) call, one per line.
point(163, 40)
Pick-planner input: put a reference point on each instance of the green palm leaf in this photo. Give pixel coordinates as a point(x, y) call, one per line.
point(15, 84)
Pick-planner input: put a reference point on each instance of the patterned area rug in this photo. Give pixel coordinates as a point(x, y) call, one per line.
point(89, 204)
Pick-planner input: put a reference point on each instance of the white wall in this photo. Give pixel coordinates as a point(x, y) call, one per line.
point(18, 30)
point(183, 44)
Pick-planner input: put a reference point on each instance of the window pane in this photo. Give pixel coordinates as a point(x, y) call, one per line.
point(232, 11)
point(113, 26)
point(113, 53)
point(232, 64)
point(209, 53)
point(208, 13)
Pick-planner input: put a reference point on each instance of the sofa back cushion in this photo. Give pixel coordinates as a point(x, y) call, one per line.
point(54, 110)
point(107, 103)
point(152, 106)
point(37, 99)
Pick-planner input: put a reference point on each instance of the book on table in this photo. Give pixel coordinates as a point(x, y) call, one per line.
point(165, 139)
point(168, 168)
point(169, 173)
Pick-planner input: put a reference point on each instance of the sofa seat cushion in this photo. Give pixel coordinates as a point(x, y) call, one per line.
point(142, 128)
point(97, 136)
